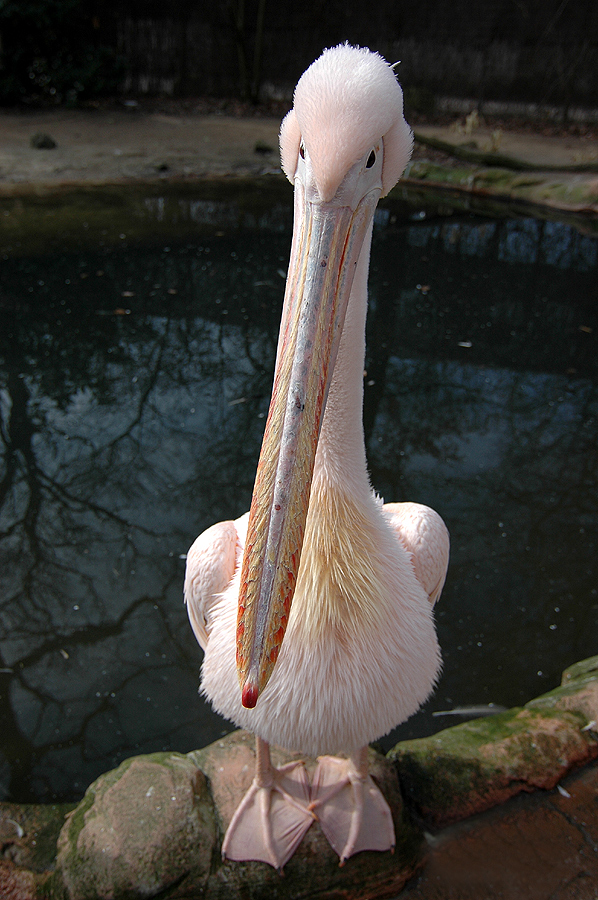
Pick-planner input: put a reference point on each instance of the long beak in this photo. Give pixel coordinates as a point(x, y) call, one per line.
point(327, 241)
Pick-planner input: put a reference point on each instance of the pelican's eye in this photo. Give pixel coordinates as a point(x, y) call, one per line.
point(371, 160)
point(302, 150)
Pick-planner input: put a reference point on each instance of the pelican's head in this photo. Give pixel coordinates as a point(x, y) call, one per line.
point(345, 104)
point(344, 144)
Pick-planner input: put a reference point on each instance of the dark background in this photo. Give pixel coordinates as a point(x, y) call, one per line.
point(72, 51)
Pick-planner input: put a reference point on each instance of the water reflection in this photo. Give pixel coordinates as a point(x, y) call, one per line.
point(134, 386)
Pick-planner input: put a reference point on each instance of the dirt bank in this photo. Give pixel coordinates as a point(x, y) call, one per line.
point(546, 166)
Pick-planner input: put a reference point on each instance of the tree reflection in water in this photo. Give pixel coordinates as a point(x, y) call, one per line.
point(134, 385)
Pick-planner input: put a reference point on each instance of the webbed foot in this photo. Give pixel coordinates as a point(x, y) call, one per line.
point(273, 816)
point(351, 809)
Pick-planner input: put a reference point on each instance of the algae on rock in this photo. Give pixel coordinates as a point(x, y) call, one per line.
point(139, 830)
point(469, 768)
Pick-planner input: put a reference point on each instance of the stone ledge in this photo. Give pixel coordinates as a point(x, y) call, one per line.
point(478, 764)
point(153, 827)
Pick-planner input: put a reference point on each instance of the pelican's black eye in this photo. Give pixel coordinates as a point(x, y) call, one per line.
point(302, 150)
point(371, 160)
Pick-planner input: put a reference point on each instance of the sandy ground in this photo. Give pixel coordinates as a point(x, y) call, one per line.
point(530, 146)
point(98, 146)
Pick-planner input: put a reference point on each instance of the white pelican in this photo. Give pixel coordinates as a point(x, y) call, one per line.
point(359, 653)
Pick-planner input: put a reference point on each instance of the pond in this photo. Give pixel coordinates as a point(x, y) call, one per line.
point(137, 342)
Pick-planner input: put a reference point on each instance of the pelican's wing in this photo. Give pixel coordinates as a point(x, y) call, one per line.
point(423, 533)
point(211, 564)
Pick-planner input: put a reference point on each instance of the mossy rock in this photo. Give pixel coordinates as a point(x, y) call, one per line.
point(313, 871)
point(29, 832)
point(569, 193)
point(473, 766)
point(153, 827)
point(580, 671)
point(142, 830)
point(422, 170)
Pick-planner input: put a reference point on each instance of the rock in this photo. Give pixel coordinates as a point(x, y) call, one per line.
point(533, 847)
point(15, 883)
point(29, 832)
point(476, 765)
point(129, 838)
point(42, 141)
point(586, 669)
point(154, 826)
point(143, 828)
point(314, 869)
point(578, 694)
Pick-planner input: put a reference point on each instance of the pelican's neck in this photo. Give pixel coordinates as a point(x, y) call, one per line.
point(340, 459)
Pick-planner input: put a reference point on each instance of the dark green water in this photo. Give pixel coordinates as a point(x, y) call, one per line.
point(135, 373)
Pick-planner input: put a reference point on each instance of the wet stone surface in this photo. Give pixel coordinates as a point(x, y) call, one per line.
point(538, 847)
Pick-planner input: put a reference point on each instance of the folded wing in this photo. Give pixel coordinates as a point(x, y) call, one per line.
point(425, 536)
point(211, 564)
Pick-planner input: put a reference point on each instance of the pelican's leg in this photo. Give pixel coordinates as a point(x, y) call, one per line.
point(351, 810)
point(273, 816)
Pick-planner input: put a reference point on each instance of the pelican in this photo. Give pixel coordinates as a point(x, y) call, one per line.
point(315, 609)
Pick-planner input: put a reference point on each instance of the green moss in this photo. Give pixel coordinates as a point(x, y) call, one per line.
point(81, 866)
point(48, 824)
point(77, 817)
point(471, 766)
point(586, 668)
point(449, 782)
point(422, 170)
point(523, 181)
point(494, 178)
